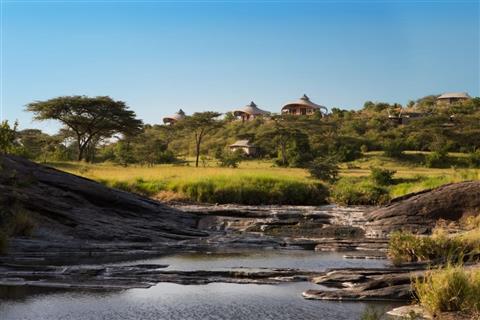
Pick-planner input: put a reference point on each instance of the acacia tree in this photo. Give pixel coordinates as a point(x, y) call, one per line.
point(200, 124)
point(88, 120)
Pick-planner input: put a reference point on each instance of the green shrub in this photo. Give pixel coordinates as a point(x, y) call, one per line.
point(348, 191)
point(250, 190)
point(382, 177)
point(407, 247)
point(394, 148)
point(230, 159)
point(325, 169)
point(437, 159)
point(449, 289)
point(474, 159)
point(364, 148)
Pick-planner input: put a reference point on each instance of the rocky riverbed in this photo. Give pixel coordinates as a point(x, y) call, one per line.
point(82, 228)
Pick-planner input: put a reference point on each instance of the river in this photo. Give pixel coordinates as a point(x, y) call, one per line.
point(209, 301)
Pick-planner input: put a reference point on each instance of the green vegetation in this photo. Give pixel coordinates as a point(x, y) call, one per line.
point(440, 246)
point(324, 168)
point(359, 191)
point(88, 120)
point(14, 222)
point(7, 137)
point(452, 288)
point(252, 190)
point(363, 156)
point(356, 184)
point(382, 177)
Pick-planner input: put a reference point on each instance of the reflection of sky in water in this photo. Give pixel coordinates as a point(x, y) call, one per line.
point(179, 302)
point(298, 259)
point(203, 302)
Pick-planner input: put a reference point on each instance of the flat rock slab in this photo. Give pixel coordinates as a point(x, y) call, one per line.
point(140, 276)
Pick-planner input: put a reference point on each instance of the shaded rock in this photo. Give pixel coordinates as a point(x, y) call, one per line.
point(72, 211)
point(420, 211)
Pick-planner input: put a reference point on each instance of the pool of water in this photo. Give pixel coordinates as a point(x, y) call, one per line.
point(298, 259)
point(195, 302)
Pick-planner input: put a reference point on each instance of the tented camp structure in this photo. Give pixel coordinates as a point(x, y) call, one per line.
point(245, 146)
point(303, 106)
point(452, 97)
point(249, 112)
point(174, 118)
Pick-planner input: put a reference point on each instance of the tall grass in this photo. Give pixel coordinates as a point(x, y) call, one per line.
point(251, 190)
point(215, 184)
point(358, 191)
point(450, 289)
point(407, 247)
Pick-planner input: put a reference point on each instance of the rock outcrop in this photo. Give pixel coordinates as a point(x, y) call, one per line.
point(73, 211)
point(419, 212)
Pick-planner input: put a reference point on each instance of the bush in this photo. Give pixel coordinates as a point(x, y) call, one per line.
point(364, 148)
point(349, 191)
point(249, 190)
point(382, 177)
point(437, 159)
point(252, 191)
point(394, 148)
point(230, 159)
point(325, 169)
point(406, 247)
point(474, 159)
point(449, 289)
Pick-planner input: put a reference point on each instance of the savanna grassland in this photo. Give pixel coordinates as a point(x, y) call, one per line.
point(260, 182)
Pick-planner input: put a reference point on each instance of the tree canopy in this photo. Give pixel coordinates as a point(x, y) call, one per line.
point(88, 120)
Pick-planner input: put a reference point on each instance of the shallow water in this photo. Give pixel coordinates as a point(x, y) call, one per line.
point(298, 259)
point(212, 301)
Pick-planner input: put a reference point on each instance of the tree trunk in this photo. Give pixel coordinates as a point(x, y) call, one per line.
point(284, 156)
point(198, 142)
point(80, 153)
point(197, 154)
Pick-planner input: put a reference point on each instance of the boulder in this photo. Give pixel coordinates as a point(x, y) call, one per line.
point(419, 212)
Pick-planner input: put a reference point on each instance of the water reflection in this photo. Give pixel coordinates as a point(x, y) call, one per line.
point(193, 302)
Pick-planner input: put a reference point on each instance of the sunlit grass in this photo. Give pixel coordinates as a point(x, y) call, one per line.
point(409, 177)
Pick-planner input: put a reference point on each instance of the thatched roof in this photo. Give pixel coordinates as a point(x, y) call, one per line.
point(179, 115)
point(455, 95)
point(241, 144)
point(304, 101)
point(250, 109)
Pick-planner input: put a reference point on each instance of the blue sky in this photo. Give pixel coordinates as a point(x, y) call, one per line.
point(218, 55)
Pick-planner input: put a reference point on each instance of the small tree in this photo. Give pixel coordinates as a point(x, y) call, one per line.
point(7, 137)
point(124, 153)
point(230, 159)
point(394, 148)
point(200, 124)
point(324, 168)
point(381, 176)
